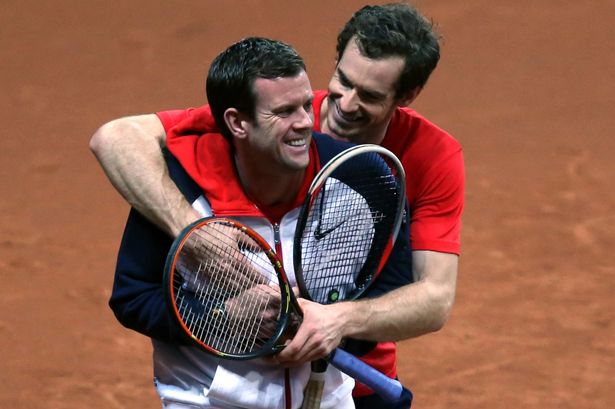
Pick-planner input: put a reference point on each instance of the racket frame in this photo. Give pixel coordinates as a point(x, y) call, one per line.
point(286, 305)
point(393, 162)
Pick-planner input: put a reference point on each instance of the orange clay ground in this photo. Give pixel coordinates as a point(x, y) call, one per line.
point(527, 87)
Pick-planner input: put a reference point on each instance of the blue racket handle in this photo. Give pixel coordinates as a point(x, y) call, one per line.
point(387, 388)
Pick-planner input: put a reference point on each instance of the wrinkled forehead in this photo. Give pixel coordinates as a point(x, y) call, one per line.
point(281, 91)
point(379, 75)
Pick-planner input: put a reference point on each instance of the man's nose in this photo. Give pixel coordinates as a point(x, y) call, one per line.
point(305, 119)
point(349, 102)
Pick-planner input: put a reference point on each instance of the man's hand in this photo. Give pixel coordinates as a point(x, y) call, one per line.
point(255, 310)
point(224, 256)
point(320, 332)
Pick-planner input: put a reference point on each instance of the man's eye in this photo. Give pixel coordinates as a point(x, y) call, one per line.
point(369, 97)
point(343, 80)
point(284, 112)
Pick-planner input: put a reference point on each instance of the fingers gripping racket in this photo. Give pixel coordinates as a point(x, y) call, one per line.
point(345, 234)
point(225, 286)
point(230, 294)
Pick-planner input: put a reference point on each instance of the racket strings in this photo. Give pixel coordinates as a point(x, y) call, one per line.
point(226, 296)
point(348, 227)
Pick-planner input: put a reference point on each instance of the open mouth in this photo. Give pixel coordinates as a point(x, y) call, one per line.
point(297, 142)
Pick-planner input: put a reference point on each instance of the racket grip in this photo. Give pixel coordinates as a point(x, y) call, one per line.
point(388, 388)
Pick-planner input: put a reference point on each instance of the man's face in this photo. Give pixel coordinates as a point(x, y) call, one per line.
point(282, 129)
point(361, 96)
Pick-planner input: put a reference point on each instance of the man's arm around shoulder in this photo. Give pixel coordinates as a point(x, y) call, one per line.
point(409, 311)
point(129, 151)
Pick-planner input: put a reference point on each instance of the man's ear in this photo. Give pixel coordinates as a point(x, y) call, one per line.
point(409, 97)
point(236, 123)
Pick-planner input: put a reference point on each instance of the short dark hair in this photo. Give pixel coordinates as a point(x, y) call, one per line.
point(232, 74)
point(395, 29)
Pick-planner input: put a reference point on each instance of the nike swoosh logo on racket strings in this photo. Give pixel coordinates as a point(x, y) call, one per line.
point(319, 234)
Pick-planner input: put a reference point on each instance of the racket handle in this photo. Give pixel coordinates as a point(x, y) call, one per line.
point(389, 389)
point(312, 394)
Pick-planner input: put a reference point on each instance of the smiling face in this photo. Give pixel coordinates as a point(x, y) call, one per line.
point(281, 130)
point(362, 96)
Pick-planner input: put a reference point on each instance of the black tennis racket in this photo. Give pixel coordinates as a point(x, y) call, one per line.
point(227, 289)
point(345, 233)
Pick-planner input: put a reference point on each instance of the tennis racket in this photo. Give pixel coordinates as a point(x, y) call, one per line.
point(229, 292)
point(345, 233)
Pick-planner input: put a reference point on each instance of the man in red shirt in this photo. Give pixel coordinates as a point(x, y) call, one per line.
point(385, 54)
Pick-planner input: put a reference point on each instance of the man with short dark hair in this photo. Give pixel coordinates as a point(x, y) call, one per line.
point(258, 173)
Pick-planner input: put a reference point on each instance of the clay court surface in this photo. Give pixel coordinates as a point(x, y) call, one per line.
point(528, 88)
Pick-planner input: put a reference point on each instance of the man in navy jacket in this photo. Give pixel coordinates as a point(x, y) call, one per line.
point(257, 170)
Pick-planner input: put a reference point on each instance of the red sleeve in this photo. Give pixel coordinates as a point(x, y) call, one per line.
point(200, 116)
point(170, 118)
point(436, 216)
point(435, 179)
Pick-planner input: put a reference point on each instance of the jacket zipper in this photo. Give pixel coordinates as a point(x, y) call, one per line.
point(278, 250)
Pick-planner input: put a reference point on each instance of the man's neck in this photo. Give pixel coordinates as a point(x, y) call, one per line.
point(268, 185)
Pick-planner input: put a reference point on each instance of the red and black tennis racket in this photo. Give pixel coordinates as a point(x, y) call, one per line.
point(230, 294)
point(345, 233)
